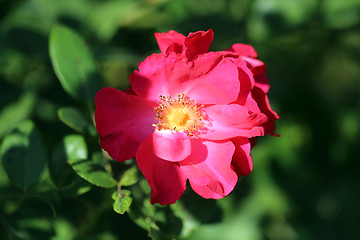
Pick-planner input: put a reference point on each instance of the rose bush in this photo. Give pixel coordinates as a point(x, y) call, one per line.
point(188, 115)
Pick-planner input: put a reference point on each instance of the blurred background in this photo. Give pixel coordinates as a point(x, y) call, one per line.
point(305, 184)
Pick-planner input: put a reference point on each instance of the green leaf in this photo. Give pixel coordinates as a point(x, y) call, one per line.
point(73, 64)
point(73, 118)
point(78, 187)
point(61, 172)
point(93, 173)
point(14, 113)
point(89, 170)
point(130, 176)
point(75, 147)
point(23, 155)
point(122, 201)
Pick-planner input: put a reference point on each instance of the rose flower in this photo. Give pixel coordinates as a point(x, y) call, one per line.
point(188, 115)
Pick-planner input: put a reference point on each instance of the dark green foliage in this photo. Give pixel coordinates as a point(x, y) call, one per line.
point(55, 181)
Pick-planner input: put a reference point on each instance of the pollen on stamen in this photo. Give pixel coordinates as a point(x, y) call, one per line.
point(179, 114)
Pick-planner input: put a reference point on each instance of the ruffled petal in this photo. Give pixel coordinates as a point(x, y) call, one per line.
point(243, 50)
point(258, 68)
point(123, 122)
point(209, 165)
point(209, 79)
point(262, 82)
point(198, 43)
point(165, 178)
point(263, 102)
point(171, 41)
point(242, 161)
point(152, 79)
point(171, 146)
point(229, 121)
point(205, 191)
point(246, 79)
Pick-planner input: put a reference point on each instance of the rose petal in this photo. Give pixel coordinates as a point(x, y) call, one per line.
point(243, 50)
point(123, 122)
point(198, 43)
point(246, 79)
point(209, 79)
point(130, 91)
point(171, 41)
point(152, 79)
point(228, 121)
point(263, 102)
point(165, 178)
point(210, 165)
point(262, 82)
point(242, 161)
point(171, 146)
point(257, 67)
point(205, 191)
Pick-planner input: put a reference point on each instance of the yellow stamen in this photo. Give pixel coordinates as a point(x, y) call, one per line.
point(179, 114)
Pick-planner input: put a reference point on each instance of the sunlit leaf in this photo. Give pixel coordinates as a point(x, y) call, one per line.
point(89, 170)
point(73, 118)
point(23, 155)
point(122, 201)
point(73, 64)
point(130, 176)
point(93, 173)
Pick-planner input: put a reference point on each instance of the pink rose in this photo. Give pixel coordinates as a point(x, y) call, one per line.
point(173, 41)
point(189, 115)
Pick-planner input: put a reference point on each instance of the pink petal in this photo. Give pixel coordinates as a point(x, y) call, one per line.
point(246, 79)
point(123, 122)
point(171, 41)
point(152, 79)
point(165, 178)
point(205, 191)
point(198, 43)
point(257, 67)
point(209, 165)
point(209, 79)
point(262, 82)
point(242, 161)
point(129, 91)
point(243, 50)
point(228, 121)
point(263, 102)
point(171, 146)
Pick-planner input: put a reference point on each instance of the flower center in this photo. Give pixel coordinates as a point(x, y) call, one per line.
point(179, 114)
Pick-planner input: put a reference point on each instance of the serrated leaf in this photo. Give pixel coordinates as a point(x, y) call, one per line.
point(122, 201)
point(73, 64)
point(89, 170)
point(73, 118)
point(23, 155)
point(130, 176)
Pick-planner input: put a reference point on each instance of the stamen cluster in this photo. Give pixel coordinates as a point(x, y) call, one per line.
point(180, 114)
